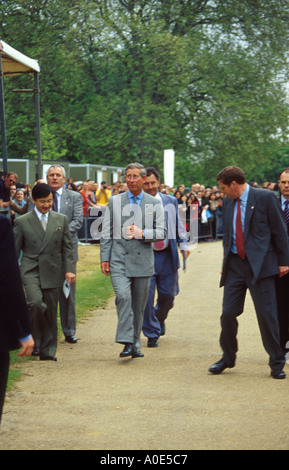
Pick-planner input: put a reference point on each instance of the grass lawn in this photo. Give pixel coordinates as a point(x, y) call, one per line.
point(93, 289)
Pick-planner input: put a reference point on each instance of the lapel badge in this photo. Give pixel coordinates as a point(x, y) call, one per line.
point(58, 229)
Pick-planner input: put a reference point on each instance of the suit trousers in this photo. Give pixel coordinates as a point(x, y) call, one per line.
point(42, 305)
point(165, 280)
point(239, 278)
point(4, 370)
point(67, 311)
point(282, 291)
point(131, 297)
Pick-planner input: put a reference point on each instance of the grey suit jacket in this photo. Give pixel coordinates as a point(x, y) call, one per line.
point(136, 256)
point(71, 206)
point(265, 236)
point(47, 256)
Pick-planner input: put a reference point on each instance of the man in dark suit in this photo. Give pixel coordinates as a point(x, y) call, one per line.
point(282, 284)
point(69, 203)
point(132, 221)
point(43, 237)
point(15, 330)
point(166, 262)
point(255, 251)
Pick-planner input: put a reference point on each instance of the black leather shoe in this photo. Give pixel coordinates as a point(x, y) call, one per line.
point(153, 342)
point(71, 339)
point(163, 328)
point(219, 366)
point(137, 354)
point(48, 358)
point(127, 351)
point(278, 374)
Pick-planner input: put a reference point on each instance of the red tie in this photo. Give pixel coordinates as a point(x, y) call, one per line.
point(159, 245)
point(239, 233)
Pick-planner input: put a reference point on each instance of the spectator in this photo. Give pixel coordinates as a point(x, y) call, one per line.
point(103, 194)
point(5, 184)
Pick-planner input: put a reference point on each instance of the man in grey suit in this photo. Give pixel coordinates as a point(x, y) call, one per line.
point(69, 203)
point(132, 221)
point(43, 237)
point(255, 251)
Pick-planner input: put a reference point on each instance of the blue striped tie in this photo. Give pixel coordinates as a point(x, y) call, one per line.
point(286, 213)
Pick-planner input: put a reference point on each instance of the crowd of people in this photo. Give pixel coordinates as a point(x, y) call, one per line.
point(46, 240)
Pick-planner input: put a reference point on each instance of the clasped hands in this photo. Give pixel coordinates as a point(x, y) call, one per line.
point(134, 232)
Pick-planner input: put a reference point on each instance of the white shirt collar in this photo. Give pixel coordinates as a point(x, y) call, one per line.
point(39, 214)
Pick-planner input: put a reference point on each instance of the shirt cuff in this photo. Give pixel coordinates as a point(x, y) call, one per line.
point(26, 338)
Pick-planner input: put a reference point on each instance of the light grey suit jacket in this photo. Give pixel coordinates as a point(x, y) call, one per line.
point(71, 206)
point(136, 255)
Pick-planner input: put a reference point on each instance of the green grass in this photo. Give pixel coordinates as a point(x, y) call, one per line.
point(93, 290)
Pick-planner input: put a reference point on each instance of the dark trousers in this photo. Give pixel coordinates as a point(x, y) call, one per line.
point(4, 370)
point(238, 279)
point(165, 281)
point(282, 291)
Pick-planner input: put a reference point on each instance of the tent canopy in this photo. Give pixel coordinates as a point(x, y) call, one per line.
point(14, 62)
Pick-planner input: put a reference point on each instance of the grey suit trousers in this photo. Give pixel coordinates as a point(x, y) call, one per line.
point(42, 306)
point(131, 298)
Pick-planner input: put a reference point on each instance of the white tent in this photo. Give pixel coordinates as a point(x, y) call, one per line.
point(14, 62)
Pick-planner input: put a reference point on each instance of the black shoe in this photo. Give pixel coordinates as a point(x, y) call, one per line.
point(278, 374)
point(71, 339)
point(48, 358)
point(137, 354)
point(127, 351)
point(35, 352)
point(219, 366)
point(163, 328)
point(153, 342)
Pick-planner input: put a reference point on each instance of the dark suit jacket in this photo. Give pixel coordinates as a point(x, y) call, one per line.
point(14, 318)
point(265, 235)
point(176, 231)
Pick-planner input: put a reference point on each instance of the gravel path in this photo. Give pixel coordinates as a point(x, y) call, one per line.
point(92, 400)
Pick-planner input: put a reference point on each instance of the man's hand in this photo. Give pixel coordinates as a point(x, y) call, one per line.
point(283, 270)
point(134, 232)
point(105, 267)
point(70, 277)
point(26, 347)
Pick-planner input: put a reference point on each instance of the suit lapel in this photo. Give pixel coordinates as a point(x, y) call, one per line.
point(251, 201)
point(36, 225)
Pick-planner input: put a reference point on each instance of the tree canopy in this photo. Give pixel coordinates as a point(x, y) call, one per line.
point(122, 80)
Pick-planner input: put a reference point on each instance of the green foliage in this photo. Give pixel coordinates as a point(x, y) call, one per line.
point(123, 80)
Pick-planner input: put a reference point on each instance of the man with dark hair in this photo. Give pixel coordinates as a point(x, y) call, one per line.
point(44, 238)
point(132, 221)
point(255, 251)
point(166, 262)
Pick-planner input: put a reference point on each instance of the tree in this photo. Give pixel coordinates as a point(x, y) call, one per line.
point(122, 80)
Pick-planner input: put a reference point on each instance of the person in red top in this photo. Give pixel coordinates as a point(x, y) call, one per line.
point(86, 202)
